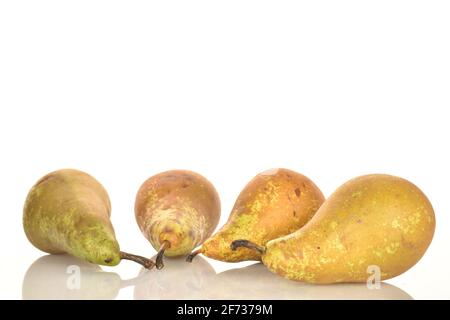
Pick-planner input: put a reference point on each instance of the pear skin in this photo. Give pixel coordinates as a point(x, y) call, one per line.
point(176, 211)
point(273, 204)
point(68, 211)
point(371, 223)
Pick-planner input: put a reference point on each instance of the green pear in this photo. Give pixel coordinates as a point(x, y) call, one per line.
point(372, 226)
point(68, 211)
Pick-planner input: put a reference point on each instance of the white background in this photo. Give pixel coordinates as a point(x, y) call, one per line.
point(124, 90)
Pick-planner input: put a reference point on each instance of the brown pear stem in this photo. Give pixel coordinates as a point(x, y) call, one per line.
point(190, 257)
point(146, 263)
point(160, 255)
point(247, 244)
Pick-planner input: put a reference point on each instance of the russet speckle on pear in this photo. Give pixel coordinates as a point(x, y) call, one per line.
point(176, 211)
point(273, 204)
point(373, 220)
point(257, 282)
point(68, 211)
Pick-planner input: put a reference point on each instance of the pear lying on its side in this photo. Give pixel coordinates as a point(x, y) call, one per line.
point(176, 281)
point(273, 204)
point(176, 211)
point(68, 211)
point(373, 222)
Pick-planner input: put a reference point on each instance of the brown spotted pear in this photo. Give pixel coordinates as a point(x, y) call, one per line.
point(374, 225)
point(176, 211)
point(273, 204)
point(68, 211)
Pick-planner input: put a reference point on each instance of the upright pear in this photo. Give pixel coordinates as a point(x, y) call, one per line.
point(372, 226)
point(68, 211)
point(273, 204)
point(176, 211)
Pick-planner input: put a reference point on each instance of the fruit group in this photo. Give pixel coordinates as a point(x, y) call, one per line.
point(370, 222)
point(273, 204)
point(68, 211)
point(177, 211)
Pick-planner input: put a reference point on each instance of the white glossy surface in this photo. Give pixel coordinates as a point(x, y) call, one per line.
point(331, 89)
point(48, 278)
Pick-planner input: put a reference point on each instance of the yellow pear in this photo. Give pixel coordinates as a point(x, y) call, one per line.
point(68, 211)
point(372, 226)
point(273, 204)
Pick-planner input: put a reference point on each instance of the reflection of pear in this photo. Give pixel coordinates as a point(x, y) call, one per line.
point(355, 291)
point(176, 281)
point(66, 277)
point(68, 211)
point(256, 282)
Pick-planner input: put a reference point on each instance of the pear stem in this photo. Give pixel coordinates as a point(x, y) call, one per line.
point(160, 255)
point(146, 263)
point(247, 244)
point(190, 257)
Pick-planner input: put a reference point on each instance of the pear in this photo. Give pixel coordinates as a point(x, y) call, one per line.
point(68, 211)
point(273, 204)
point(372, 226)
point(176, 211)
